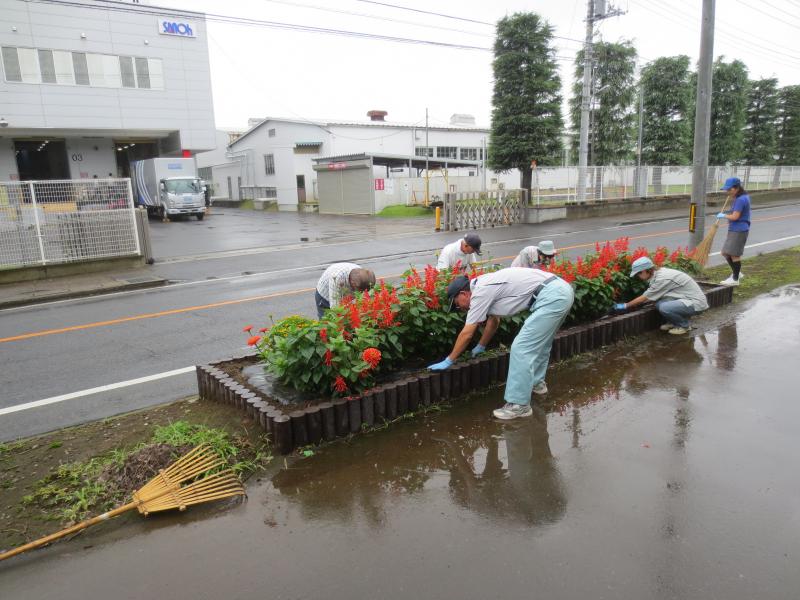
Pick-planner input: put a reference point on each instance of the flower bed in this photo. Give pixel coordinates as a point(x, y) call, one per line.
point(344, 357)
point(346, 351)
point(292, 428)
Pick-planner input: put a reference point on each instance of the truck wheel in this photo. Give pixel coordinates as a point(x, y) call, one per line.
point(200, 216)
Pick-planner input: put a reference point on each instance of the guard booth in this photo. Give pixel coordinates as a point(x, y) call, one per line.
point(346, 185)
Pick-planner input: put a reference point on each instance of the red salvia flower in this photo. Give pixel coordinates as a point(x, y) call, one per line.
point(323, 335)
point(339, 384)
point(328, 357)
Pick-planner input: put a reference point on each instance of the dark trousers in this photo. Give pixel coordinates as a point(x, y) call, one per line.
point(321, 304)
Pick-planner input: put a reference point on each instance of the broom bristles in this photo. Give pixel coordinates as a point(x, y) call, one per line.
point(703, 249)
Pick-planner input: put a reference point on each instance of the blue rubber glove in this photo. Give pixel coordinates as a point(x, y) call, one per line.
point(478, 349)
point(620, 306)
point(722, 215)
point(441, 366)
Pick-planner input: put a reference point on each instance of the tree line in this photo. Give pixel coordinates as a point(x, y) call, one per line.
point(753, 122)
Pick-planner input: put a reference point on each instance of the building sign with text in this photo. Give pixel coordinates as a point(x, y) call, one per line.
point(176, 26)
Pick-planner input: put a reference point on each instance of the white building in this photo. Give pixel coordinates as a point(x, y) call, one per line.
point(274, 158)
point(88, 86)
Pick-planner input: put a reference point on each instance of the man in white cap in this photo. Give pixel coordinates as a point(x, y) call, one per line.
point(535, 257)
point(503, 293)
point(676, 294)
point(340, 280)
point(466, 250)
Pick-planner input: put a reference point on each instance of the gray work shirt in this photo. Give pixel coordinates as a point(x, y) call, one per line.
point(670, 284)
point(504, 292)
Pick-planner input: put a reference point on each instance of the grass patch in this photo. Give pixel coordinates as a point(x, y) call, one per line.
point(399, 211)
point(75, 490)
point(762, 273)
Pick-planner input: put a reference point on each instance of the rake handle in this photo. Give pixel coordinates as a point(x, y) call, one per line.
point(69, 530)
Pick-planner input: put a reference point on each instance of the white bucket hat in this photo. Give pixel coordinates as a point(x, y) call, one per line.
point(547, 248)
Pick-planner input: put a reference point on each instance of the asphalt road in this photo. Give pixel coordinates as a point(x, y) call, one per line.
point(54, 356)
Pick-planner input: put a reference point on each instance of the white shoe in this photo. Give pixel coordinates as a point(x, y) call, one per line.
point(513, 411)
point(540, 388)
point(730, 281)
point(679, 330)
point(666, 326)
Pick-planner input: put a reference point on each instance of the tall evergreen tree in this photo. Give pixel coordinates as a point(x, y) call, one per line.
point(761, 130)
point(526, 118)
point(667, 129)
point(789, 126)
point(728, 112)
point(613, 118)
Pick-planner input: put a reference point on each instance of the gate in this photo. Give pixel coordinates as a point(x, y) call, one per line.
point(52, 222)
point(479, 210)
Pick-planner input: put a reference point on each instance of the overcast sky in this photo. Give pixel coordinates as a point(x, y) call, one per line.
point(258, 71)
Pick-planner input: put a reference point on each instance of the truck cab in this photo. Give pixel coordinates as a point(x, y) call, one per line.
point(182, 196)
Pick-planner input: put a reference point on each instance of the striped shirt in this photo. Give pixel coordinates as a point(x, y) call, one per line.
point(335, 282)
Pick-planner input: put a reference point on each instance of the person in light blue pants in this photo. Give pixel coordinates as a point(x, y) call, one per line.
point(530, 351)
point(503, 293)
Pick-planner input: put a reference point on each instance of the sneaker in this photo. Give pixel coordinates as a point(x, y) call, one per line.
point(666, 326)
point(679, 330)
point(540, 388)
point(513, 411)
point(730, 281)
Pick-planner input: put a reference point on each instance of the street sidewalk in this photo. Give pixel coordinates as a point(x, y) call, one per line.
point(76, 286)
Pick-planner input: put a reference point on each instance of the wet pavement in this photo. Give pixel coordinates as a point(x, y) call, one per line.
point(664, 468)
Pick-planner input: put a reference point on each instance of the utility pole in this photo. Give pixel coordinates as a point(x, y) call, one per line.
point(702, 126)
point(638, 188)
point(427, 155)
point(595, 11)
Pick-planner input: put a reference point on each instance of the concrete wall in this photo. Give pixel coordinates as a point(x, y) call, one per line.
point(641, 205)
point(8, 161)
point(88, 158)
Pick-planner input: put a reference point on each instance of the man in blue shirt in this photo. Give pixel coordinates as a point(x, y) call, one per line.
point(738, 228)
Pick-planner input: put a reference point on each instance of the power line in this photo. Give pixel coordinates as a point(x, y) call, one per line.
point(446, 16)
point(228, 19)
point(768, 52)
point(377, 17)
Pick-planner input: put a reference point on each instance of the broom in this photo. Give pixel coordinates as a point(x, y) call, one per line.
point(165, 492)
point(703, 249)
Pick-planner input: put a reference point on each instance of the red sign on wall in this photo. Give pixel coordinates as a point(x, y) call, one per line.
point(336, 165)
point(379, 185)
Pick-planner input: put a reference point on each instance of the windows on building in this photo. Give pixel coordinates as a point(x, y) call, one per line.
point(270, 192)
point(269, 164)
point(62, 67)
point(446, 152)
point(469, 153)
point(271, 132)
point(424, 151)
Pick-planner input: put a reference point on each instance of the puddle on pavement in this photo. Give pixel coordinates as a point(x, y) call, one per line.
point(664, 468)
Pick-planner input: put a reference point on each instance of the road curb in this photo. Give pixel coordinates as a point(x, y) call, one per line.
point(71, 294)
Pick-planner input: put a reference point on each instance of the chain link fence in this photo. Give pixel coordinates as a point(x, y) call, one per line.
point(62, 221)
point(557, 185)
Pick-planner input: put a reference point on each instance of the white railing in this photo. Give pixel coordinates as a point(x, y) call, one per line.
point(558, 185)
point(63, 221)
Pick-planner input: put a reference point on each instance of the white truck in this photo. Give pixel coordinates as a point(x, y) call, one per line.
point(169, 187)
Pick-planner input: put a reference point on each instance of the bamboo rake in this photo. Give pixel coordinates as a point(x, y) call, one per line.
point(164, 492)
point(703, 249)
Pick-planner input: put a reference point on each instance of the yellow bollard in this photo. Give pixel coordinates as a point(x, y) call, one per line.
point(438, 218)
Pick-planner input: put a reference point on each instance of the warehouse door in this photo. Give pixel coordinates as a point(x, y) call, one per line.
point(357, 192)
point(330, 192)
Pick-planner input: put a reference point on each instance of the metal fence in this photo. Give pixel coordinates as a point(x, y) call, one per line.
point(477, 210)
point(62, 221)
point(255, 192)
point(557, 185)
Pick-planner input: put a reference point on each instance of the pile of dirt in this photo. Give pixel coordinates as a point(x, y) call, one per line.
point(141, 466)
